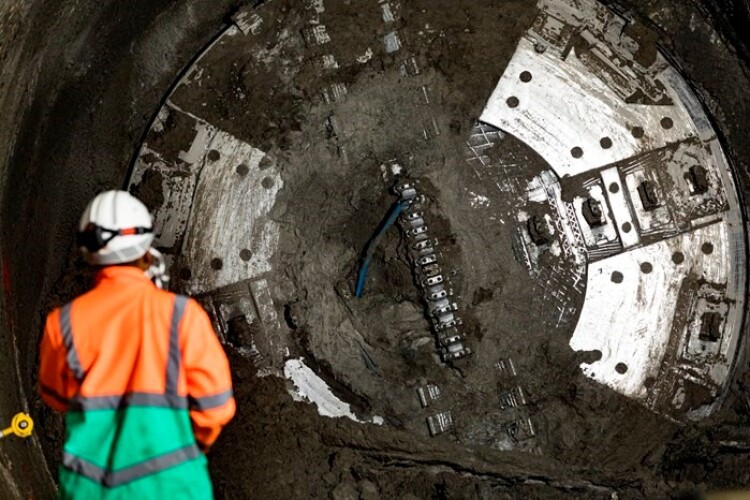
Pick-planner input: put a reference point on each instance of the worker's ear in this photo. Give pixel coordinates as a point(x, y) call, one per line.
point(148, 259)
point(145, 262)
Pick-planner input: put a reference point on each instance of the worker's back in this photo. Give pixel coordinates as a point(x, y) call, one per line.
point(142, 376)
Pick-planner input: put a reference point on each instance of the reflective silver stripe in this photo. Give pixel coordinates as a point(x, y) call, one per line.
point(112, 479)
point(83, 403)
point(74, 363)
point(173, 362)
point(210, 402)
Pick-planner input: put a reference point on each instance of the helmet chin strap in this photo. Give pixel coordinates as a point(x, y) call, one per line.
point(158, 270)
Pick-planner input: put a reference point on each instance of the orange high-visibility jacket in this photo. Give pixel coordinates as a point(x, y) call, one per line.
point(128, 358)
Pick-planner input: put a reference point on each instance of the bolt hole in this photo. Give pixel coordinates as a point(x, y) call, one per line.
point(605, 143)
point(526, 77)
point(576, 152)
point(245, 254)
point(512, 102)
point(678, 257)
point(217, 264)
point(627, 227)
point(267, 182)
point(646, 268)
point(614, 188)
point(617, 277)
point(638, 132)
point(213, 155)
point(621, 368)
point(707, 248)
point(243, 169)
point(185, 273)
point(667, 123)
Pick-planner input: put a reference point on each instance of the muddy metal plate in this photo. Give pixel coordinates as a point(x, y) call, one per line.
point(271, 99)
point(268, 168)
point(229, 216)
point(665, 292)
point(217, 194)
point(631, 309)
point(572, 118)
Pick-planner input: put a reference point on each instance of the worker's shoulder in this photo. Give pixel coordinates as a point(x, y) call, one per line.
point(182, 302)
point(167, 297)
point(58, 310)
point(53, 316)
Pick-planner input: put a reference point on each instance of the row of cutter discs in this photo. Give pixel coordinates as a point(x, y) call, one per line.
point(435, 287)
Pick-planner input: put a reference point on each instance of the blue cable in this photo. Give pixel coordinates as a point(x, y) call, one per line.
point(362, 277)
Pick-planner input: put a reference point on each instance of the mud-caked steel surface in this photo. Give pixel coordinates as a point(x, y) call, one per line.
point(666, 273)
point(264, 210)
point(597, 274)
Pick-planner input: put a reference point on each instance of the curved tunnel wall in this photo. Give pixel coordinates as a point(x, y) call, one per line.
point(78, 84)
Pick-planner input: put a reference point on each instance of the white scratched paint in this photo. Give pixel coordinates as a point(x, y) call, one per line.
point(229, 214)
point(630, 322)
point(566, 106)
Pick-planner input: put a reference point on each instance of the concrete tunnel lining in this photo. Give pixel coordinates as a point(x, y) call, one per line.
point(56, 161)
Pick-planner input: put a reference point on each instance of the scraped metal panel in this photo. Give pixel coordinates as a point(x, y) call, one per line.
point(578, 93)
point(171, 218)
point(229, 218)
point(564, 106)
point(631, 310)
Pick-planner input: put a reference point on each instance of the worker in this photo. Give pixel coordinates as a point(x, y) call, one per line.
point(142, 378)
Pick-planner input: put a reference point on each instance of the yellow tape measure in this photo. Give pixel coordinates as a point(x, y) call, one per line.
point(21, 426)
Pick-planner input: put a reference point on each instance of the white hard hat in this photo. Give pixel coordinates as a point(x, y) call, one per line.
point(115, 228)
